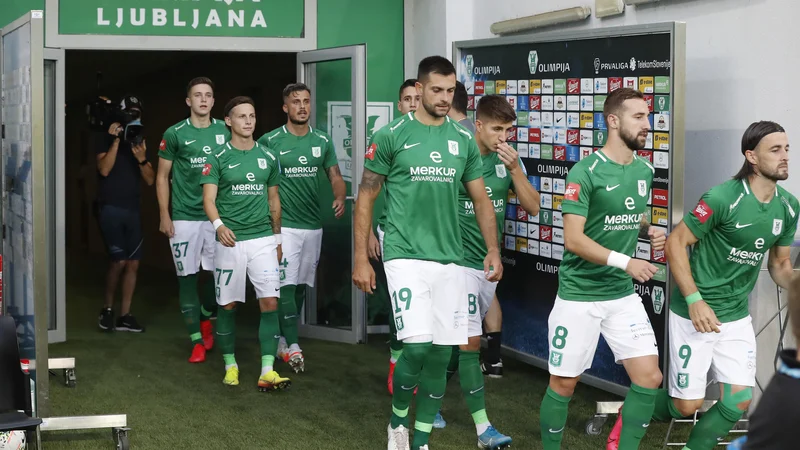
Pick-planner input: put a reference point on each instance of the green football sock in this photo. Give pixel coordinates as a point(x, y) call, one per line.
point(268, 331)
point(469, 372)
point(190, 306)
point(406, 379)
point(208, 298)
point(226, 332)
point(453, 365)
point(432, 384)
point(715, 424)
point(636, 414)
point(395, 345)
point(553, 419)
point(300, 296)
point(665, 408)
point(287, 314)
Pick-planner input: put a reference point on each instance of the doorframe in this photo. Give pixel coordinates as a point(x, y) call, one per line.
point(358, 97)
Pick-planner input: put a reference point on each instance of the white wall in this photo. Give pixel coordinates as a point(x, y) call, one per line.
point(741, 65)
point(435, 24)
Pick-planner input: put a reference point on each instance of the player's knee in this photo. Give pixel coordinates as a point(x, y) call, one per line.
point(118, 265)
point(268, 304)
point(563, 386)
point(473, 345)
point(131, 265)
point(737, 400)
point(688, 407)
point(651, 380)
point(743, 406)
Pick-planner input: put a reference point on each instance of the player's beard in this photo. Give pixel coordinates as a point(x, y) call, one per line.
point(431, 109)
point(297, 121)
point(632, 140)
point(774, 175)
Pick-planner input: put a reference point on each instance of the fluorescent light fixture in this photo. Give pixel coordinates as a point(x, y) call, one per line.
point(605, 8)
point(639, 2)
point(575, 14)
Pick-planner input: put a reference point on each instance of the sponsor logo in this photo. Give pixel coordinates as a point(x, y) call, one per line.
point(660, 217)
point(207, 169)
point(646, 154)
point(573, 86)
point(661, 141)
point(630, 82)
point(661, 271)
point(601, 85)
point(614, 83)
point(683, 380)
point(572, 192)
point(646, 85)
point(370, 155)
point(534, 135)
point(407, 146)
point(233, 166)
point(649, 100)
point(545, 233)
point(560, 86)
point(660, 197)
point(573, 137)
point(555, 361)
point(163, 145)
point(479, 88)
point(535, 102)
point(559, 153)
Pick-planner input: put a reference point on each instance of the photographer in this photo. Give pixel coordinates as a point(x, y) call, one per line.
point(121, 161)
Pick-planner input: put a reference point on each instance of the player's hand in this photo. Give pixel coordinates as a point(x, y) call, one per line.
point(280, 254)
point(226, 236)
point(658, 238)
point(493, 266)
point(374, 247)
point(338, 208)
point(508, 155)
point(115, 129)
point(140, 151)
point(703, 317)
point(167, 227)
point(364, 276)
point(640, 270)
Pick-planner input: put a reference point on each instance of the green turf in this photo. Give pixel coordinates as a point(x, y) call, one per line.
point(341, 401)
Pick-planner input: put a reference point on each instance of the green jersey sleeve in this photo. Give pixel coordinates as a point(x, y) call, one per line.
point(578, 192)
point(275, 170)
point(707, 214)
point(380, 153)
point(211, 171)
point(263, 141)
point(330, 155)
point(169, 145)
point(790, 230)
point(474, 167)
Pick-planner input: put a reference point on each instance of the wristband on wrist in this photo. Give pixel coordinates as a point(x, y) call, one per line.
point(618, 260)
point(278, 239)
point(693, 298)
point(217, 223)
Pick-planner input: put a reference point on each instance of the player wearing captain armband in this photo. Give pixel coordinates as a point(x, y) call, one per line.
point(604, 206)
point(731, 228)
point(240, 197)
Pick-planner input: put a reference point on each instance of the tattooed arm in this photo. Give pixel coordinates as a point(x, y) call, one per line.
point(368, 190)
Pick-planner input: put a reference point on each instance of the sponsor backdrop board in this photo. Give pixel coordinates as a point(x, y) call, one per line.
point(558, 87)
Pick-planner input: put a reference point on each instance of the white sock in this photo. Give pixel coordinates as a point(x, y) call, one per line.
point(482, 427)
point(294, 348)
point(392, 361)
point(265, 370)
point(228, 366)
point(282, 342)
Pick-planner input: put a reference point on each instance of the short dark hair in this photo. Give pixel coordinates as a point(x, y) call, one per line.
point(434, 64)
point(199, 80)
point(236, 101)
point(615, 100)
point(411, 82)
point(750, 139)
point(460, 98)
point(294, 87)
point(495, 107)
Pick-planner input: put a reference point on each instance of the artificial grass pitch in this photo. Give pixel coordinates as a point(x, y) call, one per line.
point(340, 402)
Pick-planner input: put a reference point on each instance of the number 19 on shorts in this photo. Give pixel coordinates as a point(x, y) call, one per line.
point(559, 342)
point(402, 302)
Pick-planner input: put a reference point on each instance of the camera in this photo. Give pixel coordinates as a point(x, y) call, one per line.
point(102, 112)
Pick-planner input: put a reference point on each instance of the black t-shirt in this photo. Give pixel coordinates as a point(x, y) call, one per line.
point(773, 424)
point(121, 186)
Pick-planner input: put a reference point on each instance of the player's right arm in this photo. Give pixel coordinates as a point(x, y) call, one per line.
point(377, 161)
point(166, 154)
point(705, 216)
point(106, 160)
point(575, 208)
point(210, 182)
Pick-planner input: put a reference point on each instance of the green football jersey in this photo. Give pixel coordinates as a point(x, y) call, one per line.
point(734, 231)
point(498, 181)
point(243, 177)
point(188, 148)
point(613, 199)
point(301, 159)
point(424, 167)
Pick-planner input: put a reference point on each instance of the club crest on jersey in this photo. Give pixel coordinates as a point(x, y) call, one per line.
point(220, 139)
point(500, 170)
point(777, 226)
point(316, 151)
point(163, 145)
point(262, 163)
point(642, 188)
point(453, 147)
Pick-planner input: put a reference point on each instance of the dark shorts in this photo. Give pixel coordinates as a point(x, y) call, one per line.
point(122, 232)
